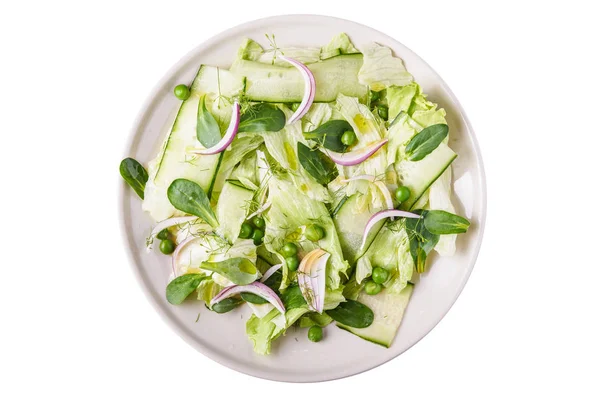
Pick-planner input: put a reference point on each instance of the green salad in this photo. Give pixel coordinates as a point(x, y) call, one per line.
point(309, 184)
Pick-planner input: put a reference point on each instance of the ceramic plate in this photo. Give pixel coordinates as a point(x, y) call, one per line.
point(294, 358)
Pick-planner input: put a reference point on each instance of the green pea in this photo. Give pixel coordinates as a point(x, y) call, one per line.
point(315, 333)
point(314, 233)
point(348, 138)
point(289, 249)
point(292, 263)
point(380, 275)
point(259, 222)
point(162, 235)
point(374, 96)
point(372, 288)
point(246, 231)
point(257, 236)
point(402, 193)
point(167, 246)
point(182, 92)
point(382, 111)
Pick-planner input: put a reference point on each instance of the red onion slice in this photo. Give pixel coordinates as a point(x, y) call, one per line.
point(310, 88)
point(232, 129)
point(383, 215)
point(370, 178)
point(358, 156)
point(270, 272)
point(386, 195)
point(180, 247)
point(257, 288)
point(167, 223)
point(311, 279)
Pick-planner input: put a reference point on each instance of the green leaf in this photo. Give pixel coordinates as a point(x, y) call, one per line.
point(312, 319)
point(188, 196)
point(421, 240)
point(135, 175)
point(182, 286)
point(226, 305)
point(238, 270)
point(352, 313)
point(317, 164)
point(262, 117)
point(207, 128)
point(426, 141)
point(329, 135)
point(253, 298)
point(292, 298)
point(445, 223)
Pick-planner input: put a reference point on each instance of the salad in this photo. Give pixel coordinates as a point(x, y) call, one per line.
point(309, 184)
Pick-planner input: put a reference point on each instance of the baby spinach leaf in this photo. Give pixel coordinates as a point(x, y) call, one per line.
point(426, 141)
point(329, 135)
point(182, 286)
point(445, 223)
point(352, 313)
point(207, 128)
point(253, 298)
point(262, 117)
point(135, 175)
point(317, 164)
point(188, 196)
point(226, 305)
point(238, 270)
point(292, 298)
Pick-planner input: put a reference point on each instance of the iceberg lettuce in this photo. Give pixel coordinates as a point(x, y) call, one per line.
point(381, 69)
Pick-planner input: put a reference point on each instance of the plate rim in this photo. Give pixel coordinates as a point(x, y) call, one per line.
point(153, 96)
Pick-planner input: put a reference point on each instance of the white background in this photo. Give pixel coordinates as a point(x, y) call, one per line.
point(74, 323)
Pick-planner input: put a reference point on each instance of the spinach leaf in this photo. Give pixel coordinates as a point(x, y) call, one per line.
point(292, 298)
point(253, 298)
point(329, 135)
point(445, 223)
point(421, 240)
point(207, 128)
point(352, 313)
point(262, 117)
point(426, 141)
point(226, 305)
point(188, 196)
point(135, 175)
point(238, 270)
point(182, 286)
point(274, 281)
point(317, 164)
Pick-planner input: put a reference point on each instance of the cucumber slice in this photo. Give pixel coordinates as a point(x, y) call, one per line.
point(275, 84)
point(350, 227)
point(232, 209)
point(389, 310)
point(172, 162)
point(419, 176)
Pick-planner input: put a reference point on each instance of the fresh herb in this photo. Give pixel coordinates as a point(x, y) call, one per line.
point(226, 305)
point(207, 128)
point(317, 164)
point(421, 240)
point(262, 117)
point(188, 196)
point(426, 141)
point(444, 223)
point(182, 286)
point(238, 270)
point(352, 313)
point(135, 175)
point(253, 298)
point(329, 135)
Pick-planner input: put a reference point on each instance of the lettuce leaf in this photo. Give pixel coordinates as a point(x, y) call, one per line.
point(290, 212)
point(340, 44)
point(381, 69)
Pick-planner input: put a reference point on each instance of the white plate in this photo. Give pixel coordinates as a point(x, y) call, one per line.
point(294, 358)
